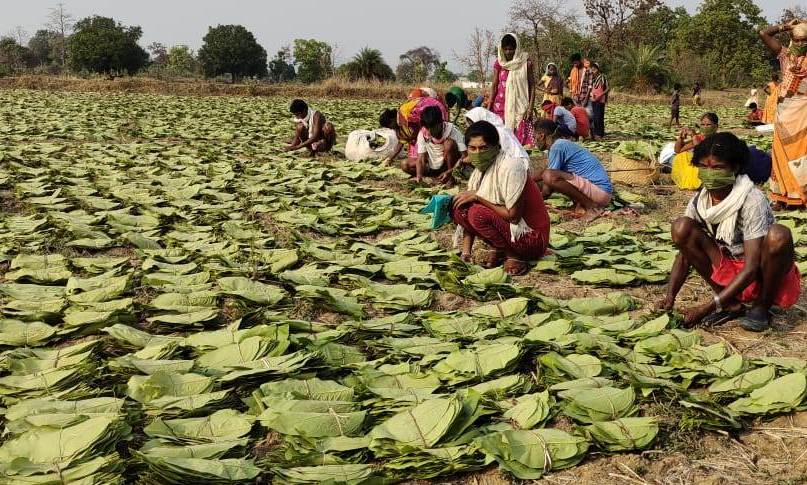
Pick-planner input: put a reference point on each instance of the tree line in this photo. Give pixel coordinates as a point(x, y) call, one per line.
point(644, 44)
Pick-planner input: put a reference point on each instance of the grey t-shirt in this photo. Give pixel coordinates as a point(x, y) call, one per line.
point(753, 221)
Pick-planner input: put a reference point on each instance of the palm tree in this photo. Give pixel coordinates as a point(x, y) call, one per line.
point(369, 64)
point(641, 67)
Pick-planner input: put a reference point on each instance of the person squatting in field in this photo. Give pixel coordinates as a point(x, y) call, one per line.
point(502, 205)
point(729, 235)
point(572, 171)
point(440, 145)
point(312, 130)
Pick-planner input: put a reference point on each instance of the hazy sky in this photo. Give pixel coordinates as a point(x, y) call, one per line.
point(350, 24)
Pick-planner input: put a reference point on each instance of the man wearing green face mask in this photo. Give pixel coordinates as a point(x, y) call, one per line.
point(688, 138)
point(730, 237)
point(502, 206)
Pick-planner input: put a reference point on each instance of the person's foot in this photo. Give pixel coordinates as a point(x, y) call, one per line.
point(592, 214)
point(494, 259)
point(466, 256)
point(757, 319)
point(515, 267)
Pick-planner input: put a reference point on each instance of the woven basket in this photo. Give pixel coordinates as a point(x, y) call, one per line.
point(633, 172)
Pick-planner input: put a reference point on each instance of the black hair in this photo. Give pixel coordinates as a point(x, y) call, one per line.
point(775, 76)
point(431, 117)
point(451, 100)
point(711, 117)
point(677, 86)
point(298, 106)
point(597, 65)
point(486, 130)
point(753, 106)
point(566, 101)
point(576, 57)
point(547, 126)
point(388, 118)
point(725, 146)
point(509, 41)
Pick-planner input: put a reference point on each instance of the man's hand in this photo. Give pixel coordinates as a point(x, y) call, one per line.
point(464, 198)
point(444, 177)
point(685, 133)
point(693, 316)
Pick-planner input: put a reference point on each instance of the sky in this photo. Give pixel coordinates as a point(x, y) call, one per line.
point(348, 24)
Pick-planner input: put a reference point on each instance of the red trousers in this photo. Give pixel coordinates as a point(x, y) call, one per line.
point(494, 230)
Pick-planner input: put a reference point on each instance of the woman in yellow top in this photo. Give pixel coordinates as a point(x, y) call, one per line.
point(772, 90)
point(551, 84)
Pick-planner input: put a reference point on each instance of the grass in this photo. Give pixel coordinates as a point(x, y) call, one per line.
point(330, 88)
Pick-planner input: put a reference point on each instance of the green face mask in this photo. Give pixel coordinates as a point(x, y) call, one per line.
point(709, 130)
point(484, 159)
point(797, 50)
point(716, 178)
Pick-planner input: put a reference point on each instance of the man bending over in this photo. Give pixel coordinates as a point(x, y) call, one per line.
point(312, 130)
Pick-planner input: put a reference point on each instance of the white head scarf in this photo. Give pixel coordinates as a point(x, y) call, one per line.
point(517, 89)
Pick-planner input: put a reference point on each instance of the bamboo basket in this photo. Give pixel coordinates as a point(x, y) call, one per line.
point(633, 172)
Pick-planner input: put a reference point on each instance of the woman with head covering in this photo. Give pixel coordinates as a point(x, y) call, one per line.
point(552, 85)
point(753, 98)
point(502, 206)
point(507, 139)
point(729, 236)
point(790, 125)
point(512, 95)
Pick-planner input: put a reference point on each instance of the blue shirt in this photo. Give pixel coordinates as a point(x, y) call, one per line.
point(570, 157)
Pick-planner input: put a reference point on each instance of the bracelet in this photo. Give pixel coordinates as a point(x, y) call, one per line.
point(718, 306)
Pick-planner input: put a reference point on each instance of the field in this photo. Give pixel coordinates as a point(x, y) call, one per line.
point(184, 303)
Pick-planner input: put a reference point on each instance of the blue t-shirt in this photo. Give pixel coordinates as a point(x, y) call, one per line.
point(570, 157)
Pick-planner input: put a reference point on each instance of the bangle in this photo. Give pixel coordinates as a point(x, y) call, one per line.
point(718, 306)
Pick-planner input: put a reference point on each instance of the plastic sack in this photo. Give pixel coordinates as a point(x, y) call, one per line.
point(666, 155)
point(684, 174)
point(358, 146)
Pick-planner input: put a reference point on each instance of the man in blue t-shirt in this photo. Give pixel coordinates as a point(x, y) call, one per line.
point(573, 171)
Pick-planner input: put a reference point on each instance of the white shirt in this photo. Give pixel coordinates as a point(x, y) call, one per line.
point(436, 155)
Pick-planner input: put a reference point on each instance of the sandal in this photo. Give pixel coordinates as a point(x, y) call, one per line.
point(494, 259)
point(756, 320)
point(516, 267)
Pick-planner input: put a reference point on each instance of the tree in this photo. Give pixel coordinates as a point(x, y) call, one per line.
point(104, 46)
point(281, 68)
point(42, 46)
point(159, 53)
point(232, 49)
point(723, 35)
point(13, 55)
point(610, 17)
point(417, 65)
point(443, 75)
point(548, 29)
point(478, 57)
point(314, 60)
point(180, 60)
point(369, 65)
point(60, 21)
point(792, 13)
point(641, 67)
point(655, 27)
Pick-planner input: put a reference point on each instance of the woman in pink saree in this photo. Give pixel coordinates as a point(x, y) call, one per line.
point(512, 96)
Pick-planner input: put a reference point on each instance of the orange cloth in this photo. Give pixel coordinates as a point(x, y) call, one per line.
point(771, 102)
point(581, 117)
point(790, 135)
point(574, 81)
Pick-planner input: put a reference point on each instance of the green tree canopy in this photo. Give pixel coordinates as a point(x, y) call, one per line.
point(723, 36)
point(232, 49)
point(314, 60)
point(42, 46)
point(442, 74)
point(13, 56)
point(369, 65)
point(181, 60)
point(417, 65)
point(281, 67)
point(102, 45)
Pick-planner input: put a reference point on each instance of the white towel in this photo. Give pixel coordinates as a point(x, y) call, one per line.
point(724, 214)
point(517, 92)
